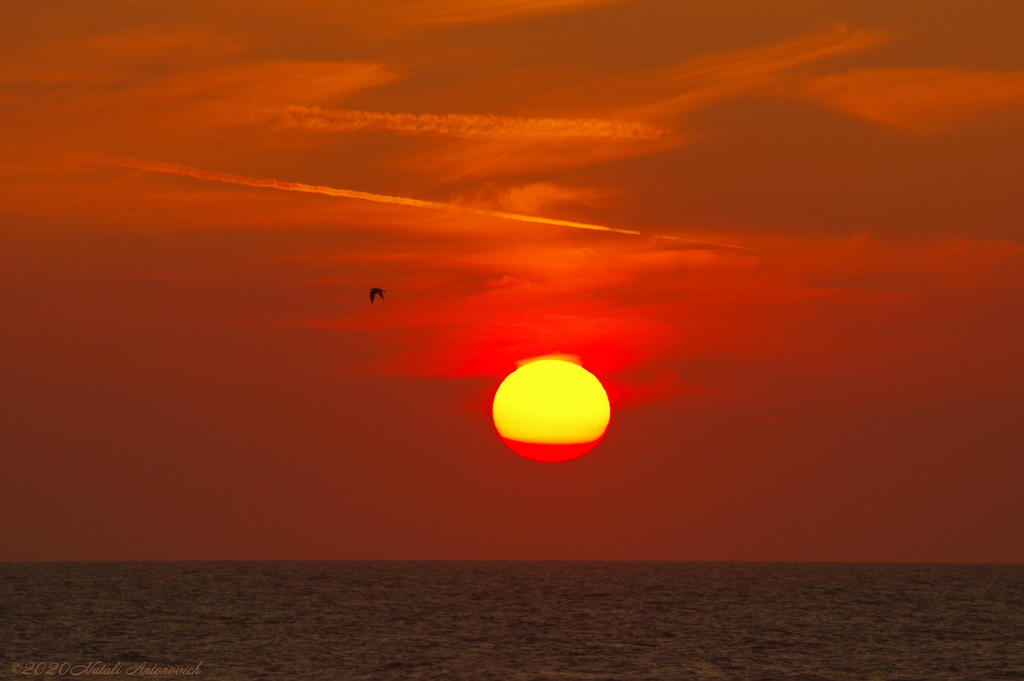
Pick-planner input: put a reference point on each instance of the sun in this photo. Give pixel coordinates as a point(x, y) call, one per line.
point(550, 409)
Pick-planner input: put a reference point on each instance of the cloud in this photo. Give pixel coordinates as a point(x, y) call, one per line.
point(238, 87)
point(477, 307)
point(173, 61)
point(552, 195)
point(469, 126)
point(431, 12)
point(806, 312)
point(115, 59)
point(920, 100)
point(533, 198)
point(228, 178)
point(458, 160)
point(646, 98)
point(186, 96)
point(143, 46)
point(626, 112)
point(672, 91)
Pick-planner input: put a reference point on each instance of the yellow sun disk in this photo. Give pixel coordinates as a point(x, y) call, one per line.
point(551, 402)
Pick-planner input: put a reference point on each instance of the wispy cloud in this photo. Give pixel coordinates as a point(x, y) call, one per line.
point(799, 304)
point(650, 100)
point(428, 12)
point(454, 160)
point(266, 83)
point(473, 309)
point(672, 91)
point(143, 46)
point(534, 197)
point(121, 58)
point(469, 126)
point(920, 100)
point(185, 171)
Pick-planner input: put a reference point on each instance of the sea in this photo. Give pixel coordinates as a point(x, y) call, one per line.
point(522, 621)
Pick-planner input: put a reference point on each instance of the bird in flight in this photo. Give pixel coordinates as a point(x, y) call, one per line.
point(376, 292)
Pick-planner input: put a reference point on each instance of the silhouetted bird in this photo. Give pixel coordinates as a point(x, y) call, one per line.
point(376, 292)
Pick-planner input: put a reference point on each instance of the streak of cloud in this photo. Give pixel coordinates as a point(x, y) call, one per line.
point(269, 83)
point(89, 64)
point(534, 197)
point(213, 176)
point(625, 306)
point(317, 119)
point(648, 97)
point(915, 99)
point(461, 159)
point(672, 91)
point(429, 12)
point(141, 46)
point(591, 298)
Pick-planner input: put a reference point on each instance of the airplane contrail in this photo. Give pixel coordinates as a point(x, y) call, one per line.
point(471, 126)
point(213, 176)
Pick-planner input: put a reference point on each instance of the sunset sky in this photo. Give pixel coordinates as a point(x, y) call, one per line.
point(787, 236)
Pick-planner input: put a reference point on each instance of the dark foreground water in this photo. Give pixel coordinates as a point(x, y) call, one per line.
point(512, 620)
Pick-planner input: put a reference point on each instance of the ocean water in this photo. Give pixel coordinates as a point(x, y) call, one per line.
point(512, 620)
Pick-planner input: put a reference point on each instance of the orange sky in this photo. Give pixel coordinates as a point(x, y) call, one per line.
point(787, 236)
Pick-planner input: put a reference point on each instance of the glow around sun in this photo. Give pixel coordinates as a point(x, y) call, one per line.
point(551, 409)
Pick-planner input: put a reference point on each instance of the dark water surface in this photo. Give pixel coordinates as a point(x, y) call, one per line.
point(516, 620)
